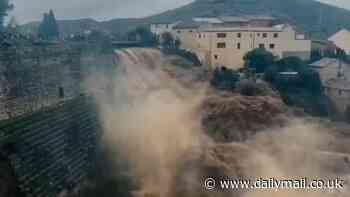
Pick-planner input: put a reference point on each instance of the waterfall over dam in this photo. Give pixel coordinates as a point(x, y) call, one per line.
point(157, 125)
point(159, 134)
point(54, 149)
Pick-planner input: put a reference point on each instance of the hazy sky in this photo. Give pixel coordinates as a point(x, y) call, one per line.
point(31, 10)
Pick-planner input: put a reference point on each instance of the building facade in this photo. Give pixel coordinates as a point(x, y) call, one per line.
point(335, 77)
point(331, 68)
point(342, 40)
point(338, 91)
point(223, 41)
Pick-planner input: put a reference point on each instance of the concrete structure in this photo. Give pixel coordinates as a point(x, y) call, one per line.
point(43, 70)
point(224, 41)
point(52, 150)
point(342, 40)
point(331, 68)
point(335, 77)
point(338, 91)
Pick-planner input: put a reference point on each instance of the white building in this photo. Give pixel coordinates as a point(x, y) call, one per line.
point(331, 68)
point(338, 91)
point(224, 41)
point(335, 77)
point(162, 27)
point(342, 40)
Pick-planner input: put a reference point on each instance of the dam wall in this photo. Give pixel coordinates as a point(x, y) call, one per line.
point(52, 150)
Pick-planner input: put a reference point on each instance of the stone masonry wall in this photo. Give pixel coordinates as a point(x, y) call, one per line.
point(37, 75)
point(53, 149)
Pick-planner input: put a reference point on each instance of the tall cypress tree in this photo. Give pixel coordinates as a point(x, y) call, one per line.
point(48, 29)
point(54, 32)
point(43, 32)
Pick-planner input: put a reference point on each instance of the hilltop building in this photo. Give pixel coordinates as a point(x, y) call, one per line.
point(223, 41)
point(342, 40)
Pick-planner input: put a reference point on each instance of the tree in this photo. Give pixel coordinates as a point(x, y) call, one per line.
point(48, 29)
point(302, 90)
point(331, 52)
point(5, 6)
point(146, 36)
point(259, 60)
point(13, 24)
point(310, 80)
point(177, 43)
point(53, 25)
point(270, 74)
point(307, 78)
point(224, 79)
point(291, 64)
point(167, 40)
point(316, 55)
point(142, 34)
point(43, 28)
point(341, 55)
point(347, 114)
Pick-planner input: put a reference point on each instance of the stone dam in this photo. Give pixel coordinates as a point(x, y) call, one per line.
point(49, 151)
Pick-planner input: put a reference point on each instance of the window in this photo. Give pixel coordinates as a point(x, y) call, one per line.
point(272, 46)
point(221, 45)
point(190, 31)
point(238, 45)
point(275, 35)
point(221, 35)
point(167, 26)
point(239, 35)
point(264, 35)
point(216, 57)
point(179, 32)
point(261, 46)
point(199, 35)
point(340, 92)
point(258, 34)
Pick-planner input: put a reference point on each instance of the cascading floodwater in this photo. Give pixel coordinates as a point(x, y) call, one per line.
point(153, 122)
point(156, 125)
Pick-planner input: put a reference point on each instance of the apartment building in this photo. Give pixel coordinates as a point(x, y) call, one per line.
point(223, 41)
